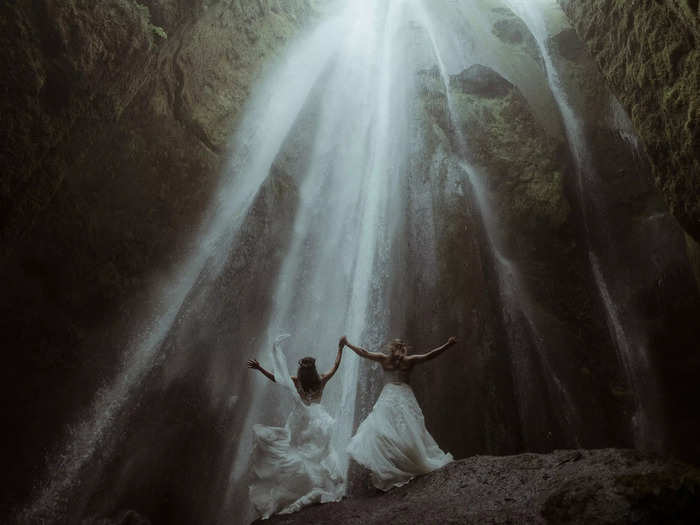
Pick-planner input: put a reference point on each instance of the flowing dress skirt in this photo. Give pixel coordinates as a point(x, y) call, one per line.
point(393, 442)
point(294, 466)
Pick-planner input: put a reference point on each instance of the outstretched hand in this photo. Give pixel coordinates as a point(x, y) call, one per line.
point(343, 342)
point(452, 340)
point(253, 363)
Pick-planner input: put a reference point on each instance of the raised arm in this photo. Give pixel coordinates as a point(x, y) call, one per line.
point(255, 365)
point(361, 351)
point(420, 358)
point(326, 377)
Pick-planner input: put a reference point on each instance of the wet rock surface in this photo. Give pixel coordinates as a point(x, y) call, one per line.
point(512, 30)
point(521, 179)
point(545, 225)
point(648, 52)
point(568, 45)
point(116, 116)
point(652, 69)
point(605, 486)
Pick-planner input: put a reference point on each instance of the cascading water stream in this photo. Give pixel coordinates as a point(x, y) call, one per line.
point(338, 256)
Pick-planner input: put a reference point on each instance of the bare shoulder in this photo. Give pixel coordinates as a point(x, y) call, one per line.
point(376, 356)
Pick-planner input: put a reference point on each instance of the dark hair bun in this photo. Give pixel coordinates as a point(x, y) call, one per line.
point(307, 361)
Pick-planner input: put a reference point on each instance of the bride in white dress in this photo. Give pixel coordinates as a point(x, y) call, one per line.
point(294, 466)
point(392, 442)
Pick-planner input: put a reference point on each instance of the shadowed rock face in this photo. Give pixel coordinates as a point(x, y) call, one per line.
point(648, 52)
point(512, 30)
point(568, 45)
point(568, 486)
point(526, 176)
point(532, 189)
point(114, 136)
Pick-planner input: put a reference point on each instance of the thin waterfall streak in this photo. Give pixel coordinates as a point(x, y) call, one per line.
point(558, 392)
point(635, 364)
point(615, 325)
point(576, 140)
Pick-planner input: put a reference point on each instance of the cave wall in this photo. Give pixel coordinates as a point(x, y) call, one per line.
point(116, 116)
point(647, 50)
point(647, 53)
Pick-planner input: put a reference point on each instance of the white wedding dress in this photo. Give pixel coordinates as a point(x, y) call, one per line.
point(393, 442)
point(294, 466)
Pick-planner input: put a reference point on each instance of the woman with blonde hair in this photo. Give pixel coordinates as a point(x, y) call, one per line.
point(392, 442)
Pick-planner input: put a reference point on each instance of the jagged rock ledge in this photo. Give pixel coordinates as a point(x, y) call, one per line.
point(566, 486)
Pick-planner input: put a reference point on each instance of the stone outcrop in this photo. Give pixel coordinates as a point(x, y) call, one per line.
point(605, 486)
point(648, 52)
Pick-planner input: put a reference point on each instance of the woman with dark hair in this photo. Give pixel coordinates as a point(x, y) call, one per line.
point(392, 442)
point(309, 385)
point(294, 466)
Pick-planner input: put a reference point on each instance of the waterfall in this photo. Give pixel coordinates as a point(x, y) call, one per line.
point(337, 118)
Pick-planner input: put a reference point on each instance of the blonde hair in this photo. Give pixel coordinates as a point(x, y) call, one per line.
point(396, 344)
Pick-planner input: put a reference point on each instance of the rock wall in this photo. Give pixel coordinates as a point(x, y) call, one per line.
point(514, 308)
point(648, 52)
point(547, 217)
point(115, 117)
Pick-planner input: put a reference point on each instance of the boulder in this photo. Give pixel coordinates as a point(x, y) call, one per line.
point(481, 81)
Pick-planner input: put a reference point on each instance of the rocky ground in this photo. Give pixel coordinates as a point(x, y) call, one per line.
point(607, 486)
